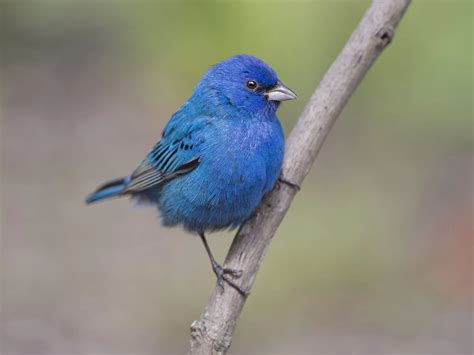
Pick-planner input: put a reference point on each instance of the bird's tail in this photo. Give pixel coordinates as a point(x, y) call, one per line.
point(113, 188)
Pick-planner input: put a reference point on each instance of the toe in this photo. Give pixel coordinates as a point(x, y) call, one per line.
point(235, 286)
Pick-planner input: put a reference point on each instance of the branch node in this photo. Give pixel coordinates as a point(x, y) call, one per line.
point(385, 35)
point(293, 185)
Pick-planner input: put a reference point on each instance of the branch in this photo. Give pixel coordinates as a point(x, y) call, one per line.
point(212, 333)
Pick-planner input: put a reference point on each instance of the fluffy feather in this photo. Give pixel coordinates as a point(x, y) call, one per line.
point(219, 153)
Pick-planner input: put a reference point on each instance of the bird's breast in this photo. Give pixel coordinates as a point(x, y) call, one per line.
point(244, 159)
point(237, 167)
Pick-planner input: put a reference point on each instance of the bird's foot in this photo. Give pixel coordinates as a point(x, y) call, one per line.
point(223, 275)
point(282, 180)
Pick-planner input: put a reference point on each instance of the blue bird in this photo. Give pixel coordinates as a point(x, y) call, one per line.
point(219, 154)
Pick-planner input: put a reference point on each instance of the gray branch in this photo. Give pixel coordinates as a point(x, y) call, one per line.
point(212, 333)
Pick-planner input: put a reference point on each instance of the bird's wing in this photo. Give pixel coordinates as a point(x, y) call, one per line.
point(177, 153)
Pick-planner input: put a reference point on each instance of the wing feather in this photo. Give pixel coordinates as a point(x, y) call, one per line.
point(163, 163)
point(178, 152)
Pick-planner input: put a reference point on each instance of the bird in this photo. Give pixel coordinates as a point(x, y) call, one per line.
point(218, 155)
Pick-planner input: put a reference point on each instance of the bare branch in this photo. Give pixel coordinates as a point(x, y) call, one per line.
point(212, 333)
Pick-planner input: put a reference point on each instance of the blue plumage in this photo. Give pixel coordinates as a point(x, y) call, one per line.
point(112, 188)
point(219, 154)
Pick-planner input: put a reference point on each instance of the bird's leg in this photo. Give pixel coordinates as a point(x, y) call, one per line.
point(222, 273)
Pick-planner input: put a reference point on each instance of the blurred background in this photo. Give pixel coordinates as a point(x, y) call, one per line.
point(375, 255)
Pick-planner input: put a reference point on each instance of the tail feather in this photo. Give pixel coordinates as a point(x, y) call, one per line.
point(110, 189)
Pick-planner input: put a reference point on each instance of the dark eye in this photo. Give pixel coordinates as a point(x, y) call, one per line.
point(251, 84)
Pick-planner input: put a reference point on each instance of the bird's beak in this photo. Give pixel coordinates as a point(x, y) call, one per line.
point(280, 93)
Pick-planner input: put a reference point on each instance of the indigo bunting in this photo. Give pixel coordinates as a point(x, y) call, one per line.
point(218, 155)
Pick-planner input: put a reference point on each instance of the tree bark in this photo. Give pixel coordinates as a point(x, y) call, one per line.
point(212, 333)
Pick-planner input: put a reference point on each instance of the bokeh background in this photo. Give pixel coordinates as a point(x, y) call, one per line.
point(375, 255)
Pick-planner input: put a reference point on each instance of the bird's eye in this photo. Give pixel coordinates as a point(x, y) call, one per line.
point(251, 84)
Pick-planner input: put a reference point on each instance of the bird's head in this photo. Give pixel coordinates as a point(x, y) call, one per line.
point(243, 83)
